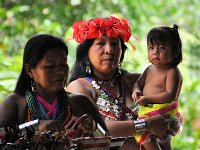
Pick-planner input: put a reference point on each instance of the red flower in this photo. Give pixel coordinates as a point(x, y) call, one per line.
point(115, 27)
point(80, 31)
point(126, 31)
point(95, 28)
point(98, 27)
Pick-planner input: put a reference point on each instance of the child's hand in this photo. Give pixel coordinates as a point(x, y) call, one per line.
point(136, 95)
point(141, 101)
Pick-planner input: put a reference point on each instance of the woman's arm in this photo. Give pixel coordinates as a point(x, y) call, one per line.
point(81, 105)
point(82, 87)
point(121, 128)
point(131, 78)
point(157, 125)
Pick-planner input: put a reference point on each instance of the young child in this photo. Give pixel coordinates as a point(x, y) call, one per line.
point(158, 88)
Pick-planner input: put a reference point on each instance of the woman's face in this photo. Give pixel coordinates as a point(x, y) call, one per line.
point(104, 55)
point(50, 73)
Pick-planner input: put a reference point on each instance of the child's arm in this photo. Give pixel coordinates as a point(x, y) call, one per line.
point(138, 86)
point(173, 88)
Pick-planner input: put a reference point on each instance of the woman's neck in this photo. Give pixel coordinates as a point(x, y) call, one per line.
point(48, 96)
point(111, 85)
point(105, 76)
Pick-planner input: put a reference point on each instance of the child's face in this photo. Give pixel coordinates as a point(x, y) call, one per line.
point(160, 54)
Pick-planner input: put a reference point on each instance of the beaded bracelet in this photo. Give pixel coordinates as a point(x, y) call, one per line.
point(140, 126)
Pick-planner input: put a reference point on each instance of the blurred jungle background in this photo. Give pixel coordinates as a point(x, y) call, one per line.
point(21, 19)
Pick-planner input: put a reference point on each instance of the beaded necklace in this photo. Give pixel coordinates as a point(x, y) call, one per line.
point(51, 108)
point(111, 98)
point(38, 111)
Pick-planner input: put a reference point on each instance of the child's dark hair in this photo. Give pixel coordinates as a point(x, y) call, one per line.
point(163, 35)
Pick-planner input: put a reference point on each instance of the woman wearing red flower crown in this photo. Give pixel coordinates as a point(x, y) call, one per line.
point(96, 74)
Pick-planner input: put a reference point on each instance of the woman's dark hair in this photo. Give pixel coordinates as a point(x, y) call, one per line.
point(82, 59)
point(34, 51)
point(165, 35)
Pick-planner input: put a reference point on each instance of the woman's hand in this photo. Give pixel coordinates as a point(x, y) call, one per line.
point(177, 125)
point(50, 125)
point(160, 125)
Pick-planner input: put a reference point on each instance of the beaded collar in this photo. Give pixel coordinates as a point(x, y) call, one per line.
point(111, 98)
point(37, 110)
point(51, 108)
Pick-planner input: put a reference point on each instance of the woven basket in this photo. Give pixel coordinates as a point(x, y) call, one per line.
point(93, 143)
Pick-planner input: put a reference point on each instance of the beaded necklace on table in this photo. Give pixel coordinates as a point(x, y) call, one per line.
point(37, 110)
point(111, 103)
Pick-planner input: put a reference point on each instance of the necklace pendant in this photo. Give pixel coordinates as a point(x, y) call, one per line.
point(116, 101)
point(128, 116)
point(100, 82)
point(121, 100)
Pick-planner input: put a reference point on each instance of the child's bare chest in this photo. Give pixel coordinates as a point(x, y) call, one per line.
point(155, 83)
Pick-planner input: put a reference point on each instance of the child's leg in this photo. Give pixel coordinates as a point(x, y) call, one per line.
point(152, 145)
point(165, 145)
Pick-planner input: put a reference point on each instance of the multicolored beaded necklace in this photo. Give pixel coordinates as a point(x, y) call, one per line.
point(111, 98)
point(37, 108)
point(51, 108)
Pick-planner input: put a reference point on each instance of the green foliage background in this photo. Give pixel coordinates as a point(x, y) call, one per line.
point(21, 19)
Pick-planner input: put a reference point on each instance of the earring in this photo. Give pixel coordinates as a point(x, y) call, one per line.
point(33, 87)
point(119, 69)
point(88, 69)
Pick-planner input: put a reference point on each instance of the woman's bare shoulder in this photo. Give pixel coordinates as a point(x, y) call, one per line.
point(131, 77)
point(9, 108)
point(81, 86)
point(77, 84)
point(12, 98)
point(12, 102)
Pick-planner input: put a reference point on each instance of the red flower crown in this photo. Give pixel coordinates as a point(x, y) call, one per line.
point(99, 27)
